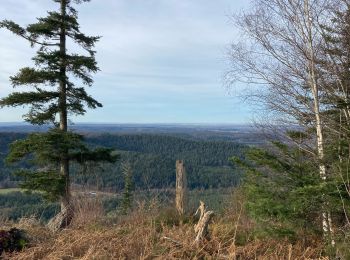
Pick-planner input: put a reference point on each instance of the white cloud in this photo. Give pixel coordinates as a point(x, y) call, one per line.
point(153, 54)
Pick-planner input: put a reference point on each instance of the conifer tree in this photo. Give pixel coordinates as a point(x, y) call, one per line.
point(53, 97)
point(128, 187)
point(282, 189)
point(336, 71)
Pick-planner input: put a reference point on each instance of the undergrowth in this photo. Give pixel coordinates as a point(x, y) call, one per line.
point(151, 231)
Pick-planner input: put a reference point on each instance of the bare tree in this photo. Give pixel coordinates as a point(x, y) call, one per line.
point(282, 45)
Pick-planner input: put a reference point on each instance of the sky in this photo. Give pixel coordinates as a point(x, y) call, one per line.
point(161, 61)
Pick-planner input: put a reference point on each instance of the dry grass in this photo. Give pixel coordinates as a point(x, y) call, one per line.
point(140, 240)
point(87, 210)
point(140, 235)
point(152, 231)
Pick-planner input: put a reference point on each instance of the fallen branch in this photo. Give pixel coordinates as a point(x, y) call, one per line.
point(177, 243)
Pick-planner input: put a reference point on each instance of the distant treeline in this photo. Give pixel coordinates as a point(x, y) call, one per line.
point(15, 205)
point(152, 158)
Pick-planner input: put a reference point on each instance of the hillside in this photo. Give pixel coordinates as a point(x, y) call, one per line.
point(152, 158)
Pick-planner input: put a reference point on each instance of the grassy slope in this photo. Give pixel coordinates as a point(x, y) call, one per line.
point(140, 235)
point(137, 238)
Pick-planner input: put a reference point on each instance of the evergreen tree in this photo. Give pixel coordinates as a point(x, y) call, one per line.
point(128, 187)
point(336, 67)
point(282, 188)
point(53, 97)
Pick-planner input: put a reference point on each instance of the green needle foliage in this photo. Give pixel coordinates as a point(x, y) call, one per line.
point(55, 94)
point(53, 65)
point(284, 191)
point(128, 187)
point(43, 150)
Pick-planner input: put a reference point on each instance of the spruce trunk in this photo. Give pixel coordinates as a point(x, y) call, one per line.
point(64, 164)
point(64, 218)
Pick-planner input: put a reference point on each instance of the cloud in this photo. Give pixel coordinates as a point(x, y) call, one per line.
point(160, 60)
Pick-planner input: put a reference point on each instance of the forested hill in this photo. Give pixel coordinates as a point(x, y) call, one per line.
point(152, 158)
point(210, 153)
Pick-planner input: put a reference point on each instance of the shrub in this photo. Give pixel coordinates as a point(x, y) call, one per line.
point(12, 240)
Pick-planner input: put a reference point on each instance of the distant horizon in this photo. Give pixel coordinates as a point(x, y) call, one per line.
point(131, 123)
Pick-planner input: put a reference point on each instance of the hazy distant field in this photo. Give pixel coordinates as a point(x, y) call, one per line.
point(5, 191)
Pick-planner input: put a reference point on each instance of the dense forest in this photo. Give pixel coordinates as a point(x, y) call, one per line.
point(152, 159)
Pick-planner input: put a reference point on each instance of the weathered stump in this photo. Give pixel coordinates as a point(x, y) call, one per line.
point(181, 188)
point(61, 220)
point(201, 229)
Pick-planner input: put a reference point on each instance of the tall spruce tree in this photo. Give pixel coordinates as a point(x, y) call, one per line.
point(53, 97)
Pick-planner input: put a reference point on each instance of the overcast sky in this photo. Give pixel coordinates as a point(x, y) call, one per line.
point(161, 61)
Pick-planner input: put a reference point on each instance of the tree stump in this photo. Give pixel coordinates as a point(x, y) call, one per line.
point(181, 188)
point(61, 220)
point(201, 229)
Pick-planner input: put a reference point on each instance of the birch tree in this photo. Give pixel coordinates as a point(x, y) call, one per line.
point(280, 52)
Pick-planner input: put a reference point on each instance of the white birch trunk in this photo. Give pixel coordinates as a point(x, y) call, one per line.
point(326, 217)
